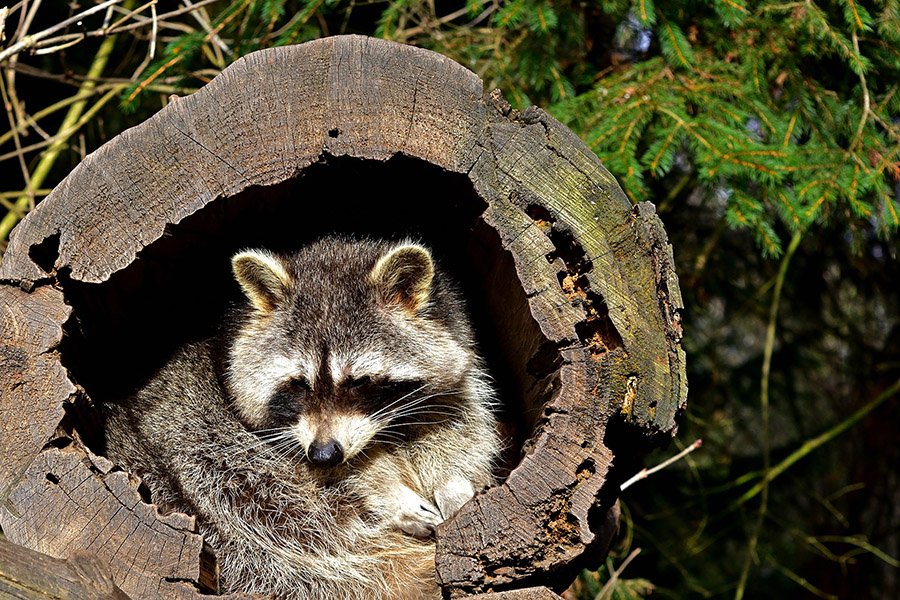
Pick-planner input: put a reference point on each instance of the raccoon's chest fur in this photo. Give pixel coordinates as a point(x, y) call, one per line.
point(321, 440)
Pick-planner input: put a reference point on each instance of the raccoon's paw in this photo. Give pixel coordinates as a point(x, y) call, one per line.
point(452, 495)
point(416, 516)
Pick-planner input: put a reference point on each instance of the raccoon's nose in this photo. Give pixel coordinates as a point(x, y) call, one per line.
point(325, 454)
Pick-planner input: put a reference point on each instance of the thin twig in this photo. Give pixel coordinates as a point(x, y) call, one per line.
point(4, 12)
point(164, 86)
point(151, 52)
point(108, 16)
point(857, 138)
point(9, 205)
point(21, 32)
point(25, 25)
point(21, 7)
point(8, 195)
point(66, 133)
point(607, 590)
point(801, 581)
point(143, 21)
point(29, 40)
point(55, 43)
point(73, 116)
point(59, 39)
point(177, 58)
point(35, 127)
point(484, 15)
point(10, 104)
point(863, 544)
point(814, 443)
point(57, 47)
point(434, 23)
point(645, 473)
point(203, 20)
point(131, 14)
point(305, 15)
point(764, 409)
point(153, 31)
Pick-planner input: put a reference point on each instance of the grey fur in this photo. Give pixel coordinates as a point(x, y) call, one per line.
point(196, 431)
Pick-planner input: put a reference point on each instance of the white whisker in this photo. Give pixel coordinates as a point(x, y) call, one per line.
point(411, 404)
point(421, 423)
point(378, 412)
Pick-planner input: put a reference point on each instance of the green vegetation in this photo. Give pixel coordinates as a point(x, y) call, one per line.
point(768, 135)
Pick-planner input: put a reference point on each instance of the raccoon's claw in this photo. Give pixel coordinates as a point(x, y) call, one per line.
point(420, 524)
point(416, 516)
point(419, 518)
point(452, 495)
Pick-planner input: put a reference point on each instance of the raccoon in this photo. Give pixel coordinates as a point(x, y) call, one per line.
point(342, 415)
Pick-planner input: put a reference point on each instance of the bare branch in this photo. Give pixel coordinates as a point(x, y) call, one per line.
point(857, 138)
point(28, 41)
point(645, 473)
point(607, 590)
point(144, 21)
point(203, 20)
point(4, 12)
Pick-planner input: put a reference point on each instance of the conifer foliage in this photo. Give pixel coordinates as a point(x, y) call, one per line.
point(787, 109)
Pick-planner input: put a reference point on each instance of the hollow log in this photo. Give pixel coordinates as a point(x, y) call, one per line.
point(572, 291)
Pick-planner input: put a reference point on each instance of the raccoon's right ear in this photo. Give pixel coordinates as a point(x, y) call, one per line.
point(263, 278)
point(404, 276)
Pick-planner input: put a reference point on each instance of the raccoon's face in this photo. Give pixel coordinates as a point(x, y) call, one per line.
point(346, 344)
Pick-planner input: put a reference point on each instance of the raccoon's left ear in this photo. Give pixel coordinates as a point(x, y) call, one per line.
point(404, 276)
point(263, 278)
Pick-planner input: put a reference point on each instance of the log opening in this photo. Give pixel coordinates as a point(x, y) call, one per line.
point(179, 288)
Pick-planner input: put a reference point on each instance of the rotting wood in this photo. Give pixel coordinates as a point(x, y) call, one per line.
point(33, 383)
point(597, 275)
point(29, 575)
point(71, 500)
point(534, 593)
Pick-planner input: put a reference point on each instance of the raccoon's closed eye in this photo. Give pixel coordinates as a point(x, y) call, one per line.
point(358, 382)
point(402, 387)
point(298, 386)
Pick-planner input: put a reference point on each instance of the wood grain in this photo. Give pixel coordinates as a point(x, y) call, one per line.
point(33, 383)
point(29, 575)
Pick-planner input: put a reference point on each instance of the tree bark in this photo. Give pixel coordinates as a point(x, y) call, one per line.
point(598, 331)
